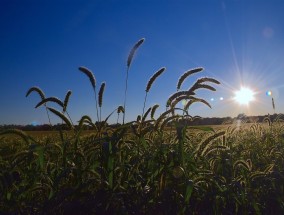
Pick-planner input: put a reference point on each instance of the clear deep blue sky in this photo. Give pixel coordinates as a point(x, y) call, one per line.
point(43, 42)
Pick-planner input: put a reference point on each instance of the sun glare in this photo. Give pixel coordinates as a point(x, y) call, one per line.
point(244, 96)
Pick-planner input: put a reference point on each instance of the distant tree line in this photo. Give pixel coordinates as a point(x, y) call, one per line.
point(198, 121)
point(230, 120)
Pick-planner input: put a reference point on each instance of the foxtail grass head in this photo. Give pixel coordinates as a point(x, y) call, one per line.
point(90, 75)
point(133, 50)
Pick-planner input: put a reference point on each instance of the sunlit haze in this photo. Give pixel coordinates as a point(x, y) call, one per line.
point(237, 42)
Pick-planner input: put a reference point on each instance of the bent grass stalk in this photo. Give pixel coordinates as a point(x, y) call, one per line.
point(56, 100)
point(92, 79)
point(42, 96)
point(186, 74)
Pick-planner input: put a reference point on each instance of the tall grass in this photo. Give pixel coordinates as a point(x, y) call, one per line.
point(152, 165)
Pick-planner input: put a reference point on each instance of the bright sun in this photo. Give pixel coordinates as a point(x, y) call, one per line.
point(244, 96)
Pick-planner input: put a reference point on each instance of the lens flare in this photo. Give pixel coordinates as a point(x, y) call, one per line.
point(34, 123)
point(184, 102)
point(268, 93)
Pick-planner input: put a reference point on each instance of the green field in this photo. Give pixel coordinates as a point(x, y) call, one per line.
point(227, 171)
point(152, 165)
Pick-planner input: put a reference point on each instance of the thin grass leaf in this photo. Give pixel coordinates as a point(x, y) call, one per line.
point(188, 191)
point(40, 151)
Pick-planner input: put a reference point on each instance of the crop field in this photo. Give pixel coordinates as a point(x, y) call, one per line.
point(152, 165)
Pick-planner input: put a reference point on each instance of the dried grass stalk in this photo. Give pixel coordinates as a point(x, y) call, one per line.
point(36, 89)
point(133, 50)
point(186, 74)
point(153, 78)
point(50, 99)
point(208, 79)
point(101, 92)
point(120, 109)
point(201, 86)
point(193, 100)
point(92, 79)
point(90, 75)
point(178, 94)
point(66, 100)
point(154, 108)
point(180, 98)
point(62, 116)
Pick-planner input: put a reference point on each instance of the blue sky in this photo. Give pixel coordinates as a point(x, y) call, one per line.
point(42, 43)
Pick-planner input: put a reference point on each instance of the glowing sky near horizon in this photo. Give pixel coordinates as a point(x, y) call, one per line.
point(42, 43)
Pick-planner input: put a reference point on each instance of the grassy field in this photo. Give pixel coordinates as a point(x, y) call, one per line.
point(227, 171)
point(144, 166)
